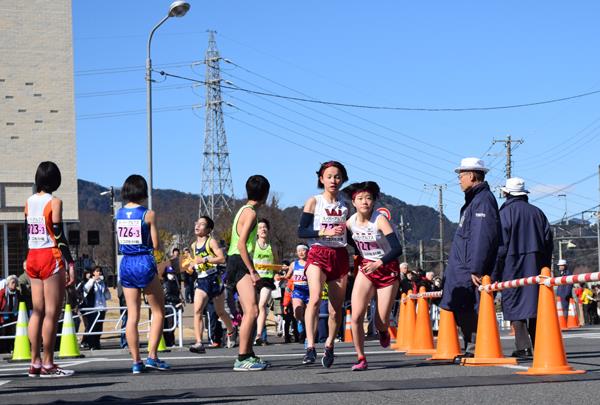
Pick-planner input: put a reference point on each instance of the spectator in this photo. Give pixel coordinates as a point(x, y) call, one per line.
point(9, 309)
point(189, 275)
point(101, 293)
point(86, 303)
point(589, 306)
point(172, 297)
point(25, 287)
point(564, 291)
point(175, 264)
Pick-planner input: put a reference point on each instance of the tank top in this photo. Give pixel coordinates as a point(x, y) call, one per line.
point(203, 269)
point(133, 232)
point(327, 216)
point(298, 274)
point(38, 210)
point(250, 243)
point(263, 256)
point(370, 241)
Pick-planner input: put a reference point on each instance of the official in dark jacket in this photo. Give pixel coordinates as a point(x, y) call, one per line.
point(564, 291)
point(474, 248)
point(526, 247)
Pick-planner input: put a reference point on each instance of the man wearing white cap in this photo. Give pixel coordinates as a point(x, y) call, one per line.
point(474, 248)
point(565, 291)
point(526, 247)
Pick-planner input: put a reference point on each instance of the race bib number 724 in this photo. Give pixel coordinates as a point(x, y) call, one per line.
point(129, 231)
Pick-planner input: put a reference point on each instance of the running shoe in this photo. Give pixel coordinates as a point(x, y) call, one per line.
point(198, 348)
point(232, 339)
point(250, 364)
point(384, 339)
point(361, 365)
point(328, 357)
point(55, 372)
point(138, 368)
point(310, 357)
point(157, 364)
point(215, 345)
point(260, 342)
point(34, 371)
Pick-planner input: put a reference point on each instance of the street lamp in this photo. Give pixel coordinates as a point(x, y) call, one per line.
point(177, 9)
point(566, 217)
point(111, 193)
point(568, 244)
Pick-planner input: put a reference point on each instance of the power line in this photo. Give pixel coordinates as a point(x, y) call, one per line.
point(114, 114)
point(565, 187)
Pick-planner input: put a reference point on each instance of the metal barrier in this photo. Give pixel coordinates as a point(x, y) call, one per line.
point(143, 327)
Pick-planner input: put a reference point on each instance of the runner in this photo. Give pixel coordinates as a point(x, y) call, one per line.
point(48, 249)
point(240, 269)
point(138, 237)
point(297, 277)
point(263, 255)
point(377, 273)
point(323, 222)
point(206, 255)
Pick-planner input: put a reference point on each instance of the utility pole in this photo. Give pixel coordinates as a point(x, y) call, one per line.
point(402, 227)
point(508, 145)
point(440, 188)
point(216, 191)
point(421, 253)
point(598, 219)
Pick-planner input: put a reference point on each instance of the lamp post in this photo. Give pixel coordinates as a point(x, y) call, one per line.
point(566, 215)
point(176, 9)
point(111, 193)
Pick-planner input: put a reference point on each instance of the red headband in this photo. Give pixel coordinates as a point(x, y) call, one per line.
point(360, 191)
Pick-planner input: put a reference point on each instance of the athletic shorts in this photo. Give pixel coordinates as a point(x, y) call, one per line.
point(43, 263)
point(384, 276)
point(265, 283)
point(332, 261)
point(137, 271)
point(236, 270)
point(211, 285)
point(300, 292)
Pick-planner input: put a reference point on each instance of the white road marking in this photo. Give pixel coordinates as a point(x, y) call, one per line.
point(2, 382)
point(515, 367)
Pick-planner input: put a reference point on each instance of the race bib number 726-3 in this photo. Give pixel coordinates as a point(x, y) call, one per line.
point(129, 231)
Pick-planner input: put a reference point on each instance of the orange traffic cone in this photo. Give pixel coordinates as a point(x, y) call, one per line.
point(573, 319)
point(408, 327)
point(422, 343)
point(488, 350)
point(562, 319)
point(549, 352)
point(448, 346)
point(400, 322)
point(348, 328)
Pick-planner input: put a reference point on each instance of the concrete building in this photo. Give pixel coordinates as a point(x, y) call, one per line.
point(37, 118)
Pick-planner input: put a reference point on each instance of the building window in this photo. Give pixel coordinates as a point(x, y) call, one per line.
point(29, 84)
point(38, 121)
point(22, 110)
point(37, 94)
point(54, 111)
point(10, 124)
point(7, 97)
point(16, 248)
point(14, 137)
point(2, 80)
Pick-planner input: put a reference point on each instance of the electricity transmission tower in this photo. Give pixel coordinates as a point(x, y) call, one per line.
point(216, 192)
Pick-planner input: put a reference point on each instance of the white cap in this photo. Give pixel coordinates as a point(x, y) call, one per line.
point(562, 262)
point(515, 186)
point(471, 164)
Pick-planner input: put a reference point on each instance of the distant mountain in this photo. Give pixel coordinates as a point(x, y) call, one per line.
point(177, 212)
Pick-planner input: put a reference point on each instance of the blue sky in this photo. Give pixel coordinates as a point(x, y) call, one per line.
point(407, 54)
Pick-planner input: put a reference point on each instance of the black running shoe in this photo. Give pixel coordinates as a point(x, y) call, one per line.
point(310, 357)
point(328, 357)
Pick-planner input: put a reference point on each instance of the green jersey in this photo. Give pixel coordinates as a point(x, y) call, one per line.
point(250, 243)
point(263, 256)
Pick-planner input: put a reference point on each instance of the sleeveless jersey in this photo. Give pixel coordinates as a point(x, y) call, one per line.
point(263, 256)
point(327, 216)
point(371, 242)
point(203, 269)
point(133, 232)
point(38, 210)
point(233, 249)
point(298, 275)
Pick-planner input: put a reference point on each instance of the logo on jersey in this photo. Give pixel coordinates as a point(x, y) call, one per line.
point(334, 212)
point(129, 214)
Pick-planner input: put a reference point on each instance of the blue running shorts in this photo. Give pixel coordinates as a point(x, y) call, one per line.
point(137, 271)
point(211, 285)
point(300, 292)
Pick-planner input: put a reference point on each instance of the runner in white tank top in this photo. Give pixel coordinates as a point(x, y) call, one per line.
point(378, 268)
point(323, 224)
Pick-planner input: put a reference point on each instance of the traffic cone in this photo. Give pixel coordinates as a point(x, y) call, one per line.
point(573, 319)
point(562, 319)
point(409, 324)
point(488, 350)
point(22, 349)
point(162, 346)
point(422, 343)
point(448, 346)
point(348, 328)
point(68, 339)
point(549, 351)
point(400, 322)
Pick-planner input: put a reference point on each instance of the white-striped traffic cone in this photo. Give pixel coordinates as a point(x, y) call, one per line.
point(68, 338)
point(22, 349)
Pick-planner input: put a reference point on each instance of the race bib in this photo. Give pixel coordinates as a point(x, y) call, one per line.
point(129, 231)
point(36, 229)
point(367, 244)
point(329, 223)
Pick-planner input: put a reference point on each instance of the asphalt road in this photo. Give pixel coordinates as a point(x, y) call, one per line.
point(105, 376)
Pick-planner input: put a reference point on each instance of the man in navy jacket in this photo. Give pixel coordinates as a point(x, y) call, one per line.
point(526, 247)
point(473, 251)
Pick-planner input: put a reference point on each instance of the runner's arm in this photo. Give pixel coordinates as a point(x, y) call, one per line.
point(245, 223)
point(219, 257)
point(386, 228)
point(305, 229)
